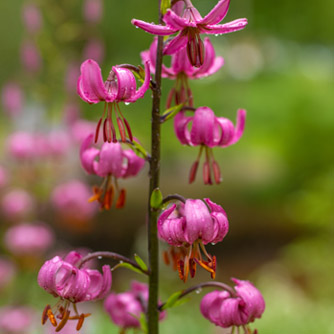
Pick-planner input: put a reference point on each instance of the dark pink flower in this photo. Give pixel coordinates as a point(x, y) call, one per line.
point(12, 99)
point(120, 86)
point(63, 278)
point(110, 162)
point(208, 131)
point(185, 20)
point(187, 229)
point(28, 239)
point(240, 309)
point(182, 70)
point(16, 320)
point(125, 308)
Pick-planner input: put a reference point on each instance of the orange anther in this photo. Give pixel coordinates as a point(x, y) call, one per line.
point(51, 317)
point(166, 258)
point(63, 322)
point(45, 314)
point(80, 321)
point(121, 199)
point(180, 268)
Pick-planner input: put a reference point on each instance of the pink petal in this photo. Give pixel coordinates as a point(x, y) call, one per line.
point(180, 127)
point(73, 257)
point(144, 87)
point(134, 163)
point(176, 44)
point(217, 13)
point(176, 22)
point(111, 160)
point(90, 84)
point(240, 126)
point(224, 28)
point(180, 63)
point(231, 313)
point(153, 28)
point(126, 83)
point(202, 128)
point(88, 154)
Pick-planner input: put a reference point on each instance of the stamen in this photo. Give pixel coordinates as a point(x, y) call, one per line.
point(45, 314)
point(216, 172)
point(206, 173)
point(192, 49)
point(97, 194)
point(166, 258)
point(121, 199)
point(192, 267)
point(193, 171)
point(51, 317)
point(170, 98)
point(128, 129)
point(180, 268)
point(200, 49)
point(80, 321)
point(112, 131)
point(105, 131)
point(121, 129)
point(97, 131)
point(63, 322)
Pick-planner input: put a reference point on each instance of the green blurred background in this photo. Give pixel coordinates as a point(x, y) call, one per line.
point(278, 180)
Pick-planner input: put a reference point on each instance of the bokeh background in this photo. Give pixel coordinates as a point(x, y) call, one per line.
point(278, 180)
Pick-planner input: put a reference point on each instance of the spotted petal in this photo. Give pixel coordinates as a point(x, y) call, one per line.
point(217, 13)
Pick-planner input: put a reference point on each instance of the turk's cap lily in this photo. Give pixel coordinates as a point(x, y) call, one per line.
point(120, 85)
point(61, 277)
point(195, 220)
point(207, 129)
point(112, 159)
point(189, 25)
point(225, 310)
point(180, 63)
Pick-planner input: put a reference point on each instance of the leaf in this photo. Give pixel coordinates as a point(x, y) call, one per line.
point(141, 263)
point(140, 149)
point(128, 266)
point(171, 112)
point(156, 199)
point(143, 322)
point(165, 4)
point(172, 300)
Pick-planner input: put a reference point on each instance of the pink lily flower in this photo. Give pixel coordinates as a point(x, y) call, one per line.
point(120, 86)
point(28, 239)
point(225, 310)
point(208, 131)
point(188, 228)
point(63, 278)
point(16, 319)
point(181, 70)
point(125, 308)
point(110, 162)
point(189, 24)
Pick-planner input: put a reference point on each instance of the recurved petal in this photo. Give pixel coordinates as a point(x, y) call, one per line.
point(240, 126)
point(155, 29)
point(88, 154)
point(111, 160)
point(126, 83)
point(218, 29)
point(214, 207)
point(90, 84)
point(217, 13)
point(73, 257)
point(203, 127)
point(176, 22)
point(220, 224)
point(134, 163)
point(232, 313)
point(144, 87)
point(254, 302)
point(100, 283)
point(176, 44)
point(198, 221)
point(172, 231)
point(180, 127)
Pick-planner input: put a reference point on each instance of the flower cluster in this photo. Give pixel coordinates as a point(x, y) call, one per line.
point(65, 279)
point(226, 310)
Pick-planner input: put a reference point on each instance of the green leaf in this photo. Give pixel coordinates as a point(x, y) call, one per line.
point(128, 266)
point(181, 301)
point(165, 4)
point(156, 199)
point(171, 112)
point(141, 263)
point(143, 322)
point(140, 149)
point(172, 300)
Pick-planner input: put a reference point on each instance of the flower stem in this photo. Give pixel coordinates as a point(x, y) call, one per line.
point(111, 255)
point(153, 245)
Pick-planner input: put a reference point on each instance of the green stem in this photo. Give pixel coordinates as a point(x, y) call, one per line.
point(153, 245)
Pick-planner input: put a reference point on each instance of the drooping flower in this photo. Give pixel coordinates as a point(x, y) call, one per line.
point(185, 20)
point(17, 204)
point(188, 228)
point(182, 70)
point(110, 162)
point(70, 201)
point(12, 99)
point(225, 310)
point(125, 308)
point(63, 278)
point(16, 319)
point(28, 239)
point(208, 131)
point(120, 86)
